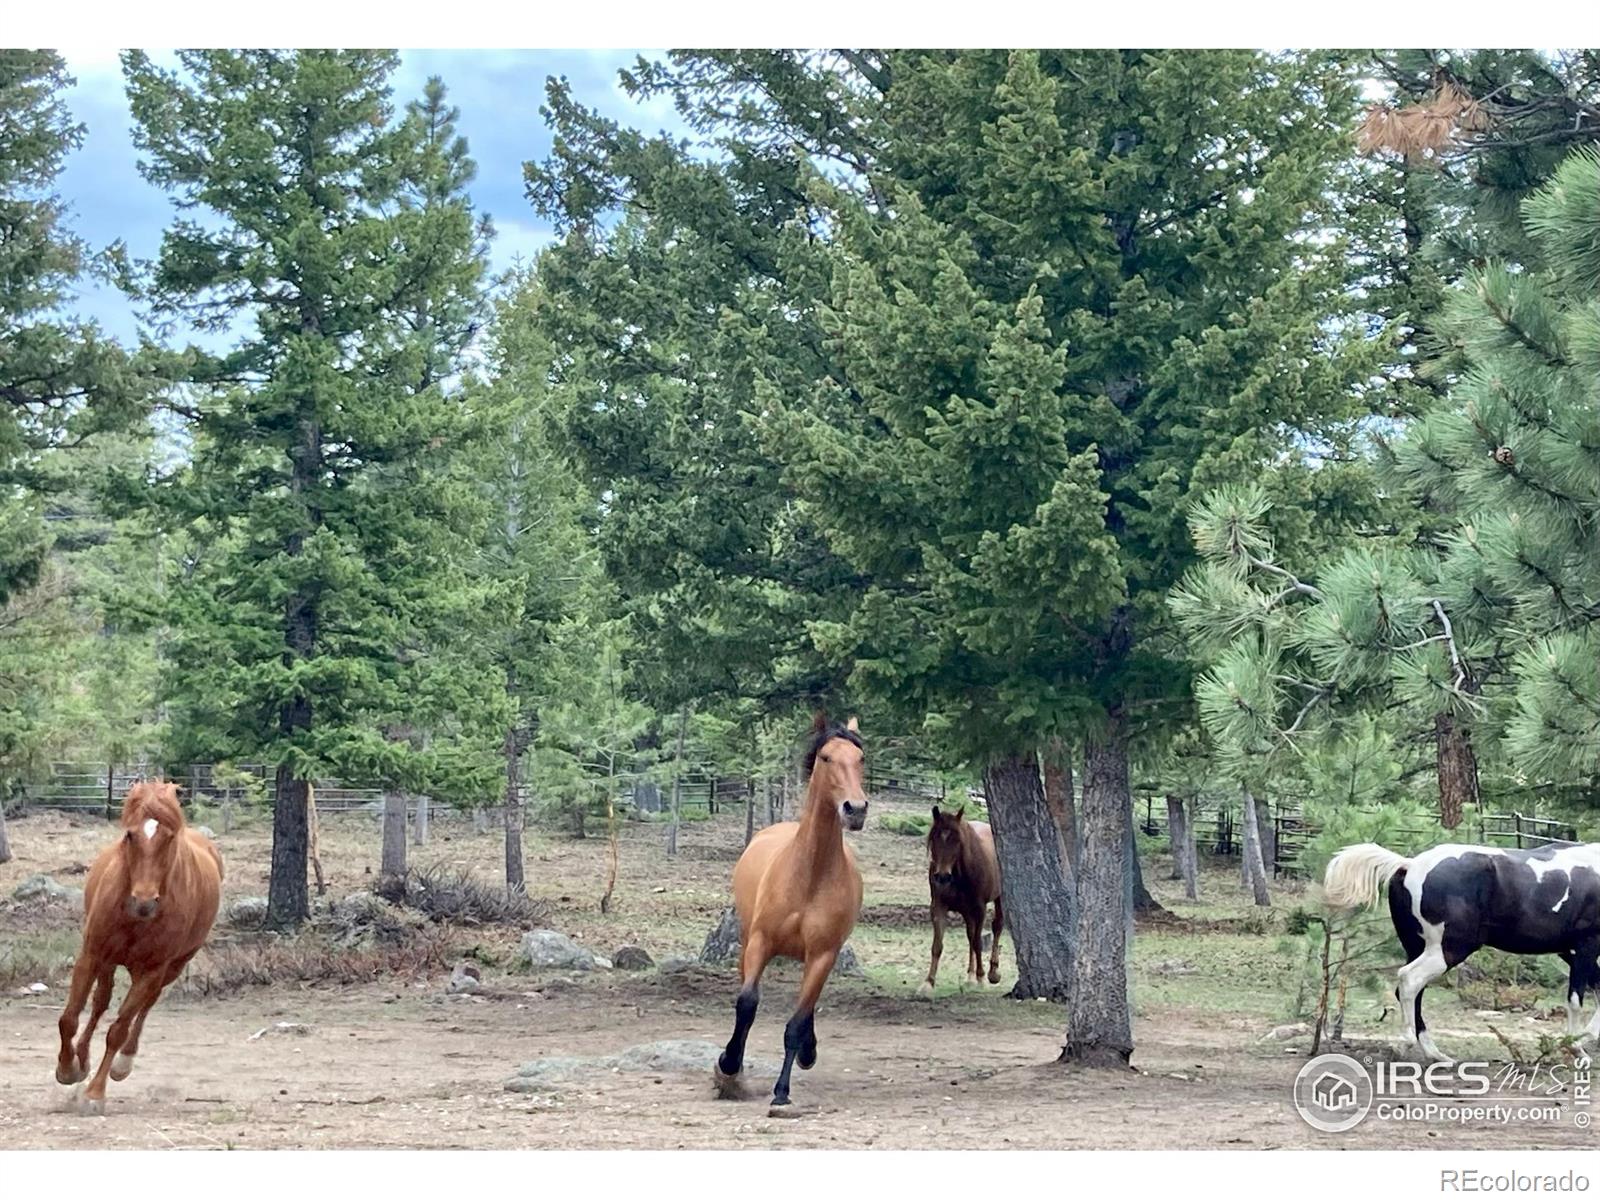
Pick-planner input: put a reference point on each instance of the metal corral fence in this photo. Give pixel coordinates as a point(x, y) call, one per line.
point(100, 787)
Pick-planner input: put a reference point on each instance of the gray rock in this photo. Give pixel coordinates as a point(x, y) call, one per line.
point(546, 1074)
point(677, 963)
point(632, 958)
point(42, 887)
point(548, 949)
point(722, 943)
point(465, 978)
point(847, 965)
point(248, 912)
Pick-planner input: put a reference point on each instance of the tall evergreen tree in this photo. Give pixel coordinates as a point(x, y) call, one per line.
point(61, 379)
point(1049, 294)
point(333, 244)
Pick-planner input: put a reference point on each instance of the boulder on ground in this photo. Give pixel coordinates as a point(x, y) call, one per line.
point(549, 949)
point(247, 912)
point(632, 958)
point(43, 888)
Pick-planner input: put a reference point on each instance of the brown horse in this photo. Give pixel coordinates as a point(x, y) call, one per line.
point(963, 878)
point(797, 891)
point(148, 905)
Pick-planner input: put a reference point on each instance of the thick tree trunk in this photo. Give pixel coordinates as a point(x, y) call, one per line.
point(1056, 764)
point(1033, 877)
point(677, 784)
point(419, 831)
point(512, 811)
point(288, 900)
point(5, 838)
point(1255, 867)
point(394, 836)
point(1457, 769)
point(1099, 1025)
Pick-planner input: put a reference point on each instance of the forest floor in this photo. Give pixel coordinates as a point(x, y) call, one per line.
point(395, 1060)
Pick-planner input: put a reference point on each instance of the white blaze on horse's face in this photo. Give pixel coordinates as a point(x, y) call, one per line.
point(150, 828)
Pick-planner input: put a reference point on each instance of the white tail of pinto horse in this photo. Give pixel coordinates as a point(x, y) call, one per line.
point(1357, 875)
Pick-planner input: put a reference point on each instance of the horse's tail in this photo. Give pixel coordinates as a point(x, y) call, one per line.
point(1357, 875)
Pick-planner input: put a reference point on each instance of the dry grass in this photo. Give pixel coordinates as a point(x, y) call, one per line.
point(458, 897)
point(315, 958)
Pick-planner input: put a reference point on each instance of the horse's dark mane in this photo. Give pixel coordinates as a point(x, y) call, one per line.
point(825, 735)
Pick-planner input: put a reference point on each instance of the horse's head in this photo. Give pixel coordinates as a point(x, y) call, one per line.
point(152, 824)
point(944, 846)
point(835, 765)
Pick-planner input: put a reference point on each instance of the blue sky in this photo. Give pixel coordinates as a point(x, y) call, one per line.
point(498, 92)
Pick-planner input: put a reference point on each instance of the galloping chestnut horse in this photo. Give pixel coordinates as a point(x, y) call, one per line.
point(963, 878)
point(797, 891)
point(148, 905)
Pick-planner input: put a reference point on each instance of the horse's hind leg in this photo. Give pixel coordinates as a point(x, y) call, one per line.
point(84, 973)
point(801, 1029)
point(145, 989)
point(994, 943)
point(752, 961)
point(938, 947)
point(1415, 976)
point(975, 948)
point(1585, 964)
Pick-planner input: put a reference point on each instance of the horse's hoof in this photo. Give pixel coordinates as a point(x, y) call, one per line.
point(121, 1067)
point(729, 1087)
point(784, 1110)
point(925, 988)
point(71, 1075)
point(994, 976)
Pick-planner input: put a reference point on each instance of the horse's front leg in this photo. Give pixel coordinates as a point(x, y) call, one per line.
point(146, 987)
point(994, 945)
point(725, 1073)
point(938, 948)
point(122, 1065)
point(84, 973)
point(104, 983)
point(800, 1034)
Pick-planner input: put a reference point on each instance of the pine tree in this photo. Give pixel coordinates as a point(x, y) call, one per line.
point(1049, 295)
point(332, 242)
point(61, 380)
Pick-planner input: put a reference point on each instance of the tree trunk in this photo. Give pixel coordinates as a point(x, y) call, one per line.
point(288, 901)
point(5, 838)
point(1457, 769)
point(1175, 835)
point(771, 794)
point(1057, 766)
point(1033, 874)
point(512, 810)
point(1191, 849)
point(1255, 868)
point(1183, 849)
point(677, 784)
point(1100, 1026)
point(419, 832)
point(1138, 895)
point(394, 836)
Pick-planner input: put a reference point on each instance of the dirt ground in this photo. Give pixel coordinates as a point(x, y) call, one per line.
point(399, 1062)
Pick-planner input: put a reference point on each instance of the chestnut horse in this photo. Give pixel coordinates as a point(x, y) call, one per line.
point(797, 891)
point(963, 878)
point(148, 905)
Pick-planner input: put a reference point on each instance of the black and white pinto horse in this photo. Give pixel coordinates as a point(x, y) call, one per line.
point(1451, 900)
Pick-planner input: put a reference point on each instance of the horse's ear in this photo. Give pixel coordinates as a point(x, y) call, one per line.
point(936, 814)
point(819, 722)
point(959, 811)
point(852, 726)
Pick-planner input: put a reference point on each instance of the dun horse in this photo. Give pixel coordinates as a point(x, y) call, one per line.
point(148, 905)
point(1449, 901)
point(963, 878)
point(797, 891)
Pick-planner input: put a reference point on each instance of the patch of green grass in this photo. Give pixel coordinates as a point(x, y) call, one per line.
point(908, 824)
